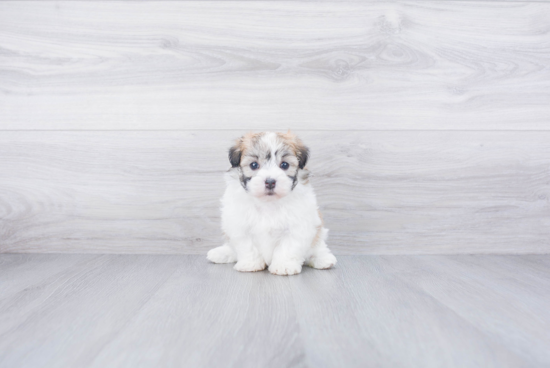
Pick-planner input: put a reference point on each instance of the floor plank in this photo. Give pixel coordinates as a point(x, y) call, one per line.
point(369, 311)
point(20, 271)
point(111, 65)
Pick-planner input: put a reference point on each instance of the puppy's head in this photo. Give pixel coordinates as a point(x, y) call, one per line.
point(268, 163)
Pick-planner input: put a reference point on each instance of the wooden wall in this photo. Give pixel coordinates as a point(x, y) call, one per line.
point(428, 121)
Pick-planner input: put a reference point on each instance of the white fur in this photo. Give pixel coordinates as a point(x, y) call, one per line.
point(275, 230)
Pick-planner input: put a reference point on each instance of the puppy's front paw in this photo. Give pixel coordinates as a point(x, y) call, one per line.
point(250, 265)
point(285, 268)
point(322, 262)
point(222, 254)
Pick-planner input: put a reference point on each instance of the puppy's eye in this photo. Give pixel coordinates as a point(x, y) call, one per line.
point(254, 165)
point(284, 165)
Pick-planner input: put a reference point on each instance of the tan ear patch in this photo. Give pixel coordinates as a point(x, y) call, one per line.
point(297, 146)
point(242, 145)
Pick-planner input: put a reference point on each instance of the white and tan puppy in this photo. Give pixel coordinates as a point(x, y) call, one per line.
point(269, 210)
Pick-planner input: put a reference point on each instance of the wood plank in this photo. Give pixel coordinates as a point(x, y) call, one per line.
point(380, 192)
point(21, 271)
point(271, 65)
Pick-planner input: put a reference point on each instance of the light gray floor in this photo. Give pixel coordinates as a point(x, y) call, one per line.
point(181, 311)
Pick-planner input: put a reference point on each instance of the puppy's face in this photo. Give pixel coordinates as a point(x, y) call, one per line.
point(268, 163)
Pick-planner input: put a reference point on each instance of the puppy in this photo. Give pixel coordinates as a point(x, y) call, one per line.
point(269, 210)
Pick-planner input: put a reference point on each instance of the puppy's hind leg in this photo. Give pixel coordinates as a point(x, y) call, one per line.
point(320, 256)
point(223, 254)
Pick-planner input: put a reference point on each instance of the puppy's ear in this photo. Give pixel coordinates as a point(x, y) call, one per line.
point(301, 151)
point(235, 154)
point(302, 154)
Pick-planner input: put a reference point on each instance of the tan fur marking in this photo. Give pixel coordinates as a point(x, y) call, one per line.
point(304, 175)
point(319, 230)
point(317, 235)
point(291, 140)
point(246, 142)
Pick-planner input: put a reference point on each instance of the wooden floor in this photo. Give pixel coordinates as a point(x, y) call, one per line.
point(181, 311)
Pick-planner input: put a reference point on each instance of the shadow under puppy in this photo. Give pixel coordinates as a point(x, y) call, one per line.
point(269, 210)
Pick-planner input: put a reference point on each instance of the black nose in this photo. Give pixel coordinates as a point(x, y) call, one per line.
point(270, 183)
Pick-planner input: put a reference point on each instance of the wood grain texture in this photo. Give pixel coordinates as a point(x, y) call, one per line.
point(92, 301)
point(380, 317)
point(444, 65)
point(380, 192)
point(369, 311)
point(482, 298)
point(21, 271)
point(207, 316)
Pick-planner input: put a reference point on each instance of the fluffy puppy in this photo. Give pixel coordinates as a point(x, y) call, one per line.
point(269, 210)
